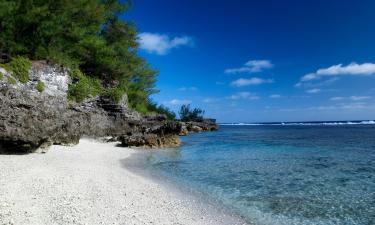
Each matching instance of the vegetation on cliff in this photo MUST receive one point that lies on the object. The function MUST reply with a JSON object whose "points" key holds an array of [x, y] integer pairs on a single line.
{"points": [[11, 80], [87, 36], [20, 67], [40, 86]]}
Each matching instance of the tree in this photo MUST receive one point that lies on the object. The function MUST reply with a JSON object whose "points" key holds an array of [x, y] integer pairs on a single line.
{"points": [[187, 114], [84, 35]]}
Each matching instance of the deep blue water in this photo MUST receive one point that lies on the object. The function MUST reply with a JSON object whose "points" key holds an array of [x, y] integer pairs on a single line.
{"points": [[280, 174]]}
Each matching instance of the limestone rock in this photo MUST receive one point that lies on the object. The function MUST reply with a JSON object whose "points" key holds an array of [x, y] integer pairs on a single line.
{"points": [[154, 134], [31, 121], [184, 131]]}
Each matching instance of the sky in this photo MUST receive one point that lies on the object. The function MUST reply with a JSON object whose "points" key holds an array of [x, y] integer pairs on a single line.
{"points": [[262, 61]]}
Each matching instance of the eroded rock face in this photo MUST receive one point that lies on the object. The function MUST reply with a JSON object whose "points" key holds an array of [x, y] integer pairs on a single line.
{"points": [[196, 127], [154, 133], [55, 78], [30, 120]]}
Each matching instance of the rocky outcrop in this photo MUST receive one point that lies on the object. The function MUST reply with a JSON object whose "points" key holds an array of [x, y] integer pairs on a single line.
{"points": [[196, 127], [31, 120], [153, 134]]}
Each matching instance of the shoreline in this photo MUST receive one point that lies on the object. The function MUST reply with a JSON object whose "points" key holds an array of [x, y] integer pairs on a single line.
{"points": [[136, 163], [88, 184]]}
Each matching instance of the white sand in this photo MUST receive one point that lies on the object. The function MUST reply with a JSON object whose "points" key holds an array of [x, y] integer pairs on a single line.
{"points": [[87, 184]]}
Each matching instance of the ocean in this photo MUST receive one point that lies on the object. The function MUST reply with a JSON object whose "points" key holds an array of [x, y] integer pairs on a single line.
{"points": [[280, 173]]}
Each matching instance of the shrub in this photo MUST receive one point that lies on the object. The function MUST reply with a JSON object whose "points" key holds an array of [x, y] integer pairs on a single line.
{"points": [[187, 114], [114, 93], [142, 108], [40, 86], [1, 76], [161, 109], [5, 66], [12, 81], [83, 86], [20, 66]]}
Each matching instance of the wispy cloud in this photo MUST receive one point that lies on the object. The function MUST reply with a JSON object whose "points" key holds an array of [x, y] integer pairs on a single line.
{"points": [[359, 98], [337, 98], [188, 89], [341, 106], [177, 102], [210, 100], [313, 91], [353, 98], [251, 81], [243, 95], [353, 69], [252, 66], [317, 84], [275, 96], [161, 44]]}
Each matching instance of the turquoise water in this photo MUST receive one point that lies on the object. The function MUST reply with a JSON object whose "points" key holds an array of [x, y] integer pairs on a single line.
{"points": [[313, 174]]}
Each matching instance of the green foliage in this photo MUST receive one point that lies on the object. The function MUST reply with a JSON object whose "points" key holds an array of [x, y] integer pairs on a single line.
{"points": [[114, 93], [1, 76], [5, 66], [88, 35], [142, 108], [20, 67], [161, 109], [12, 81], [187, 114], [83, 87], [40, 86]]}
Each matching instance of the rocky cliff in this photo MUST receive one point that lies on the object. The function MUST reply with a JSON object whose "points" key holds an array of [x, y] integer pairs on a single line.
{"points": [[31, 120]]}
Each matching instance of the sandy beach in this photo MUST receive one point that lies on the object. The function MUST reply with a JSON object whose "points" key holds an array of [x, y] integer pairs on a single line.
{"points": [[87, 184]]}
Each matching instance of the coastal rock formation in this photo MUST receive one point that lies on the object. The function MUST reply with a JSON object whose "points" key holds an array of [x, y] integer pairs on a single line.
{"points": [[154, 134], [198, 126], [31, 120]]}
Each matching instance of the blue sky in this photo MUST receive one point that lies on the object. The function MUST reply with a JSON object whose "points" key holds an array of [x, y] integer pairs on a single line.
{"points": [[254, 61]]}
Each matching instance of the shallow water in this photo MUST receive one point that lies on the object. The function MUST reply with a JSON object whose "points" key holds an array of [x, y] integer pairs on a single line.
{"points": [[280, 174]]}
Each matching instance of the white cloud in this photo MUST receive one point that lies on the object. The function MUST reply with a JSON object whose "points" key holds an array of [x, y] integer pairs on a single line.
{"points": [[188, 89], [210, 100], [251, 66], [353, 69], [275, 96], [243, 95], [178, 102], [313, 91], [337, 98], [317, 84], [353, 98], [359, 98], [341, 106], [251, 81], [161, 43], [299, 84]]}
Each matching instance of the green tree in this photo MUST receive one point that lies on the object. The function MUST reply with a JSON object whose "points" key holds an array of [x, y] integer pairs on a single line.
{"points": [[87, 35], [188, 114]]}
